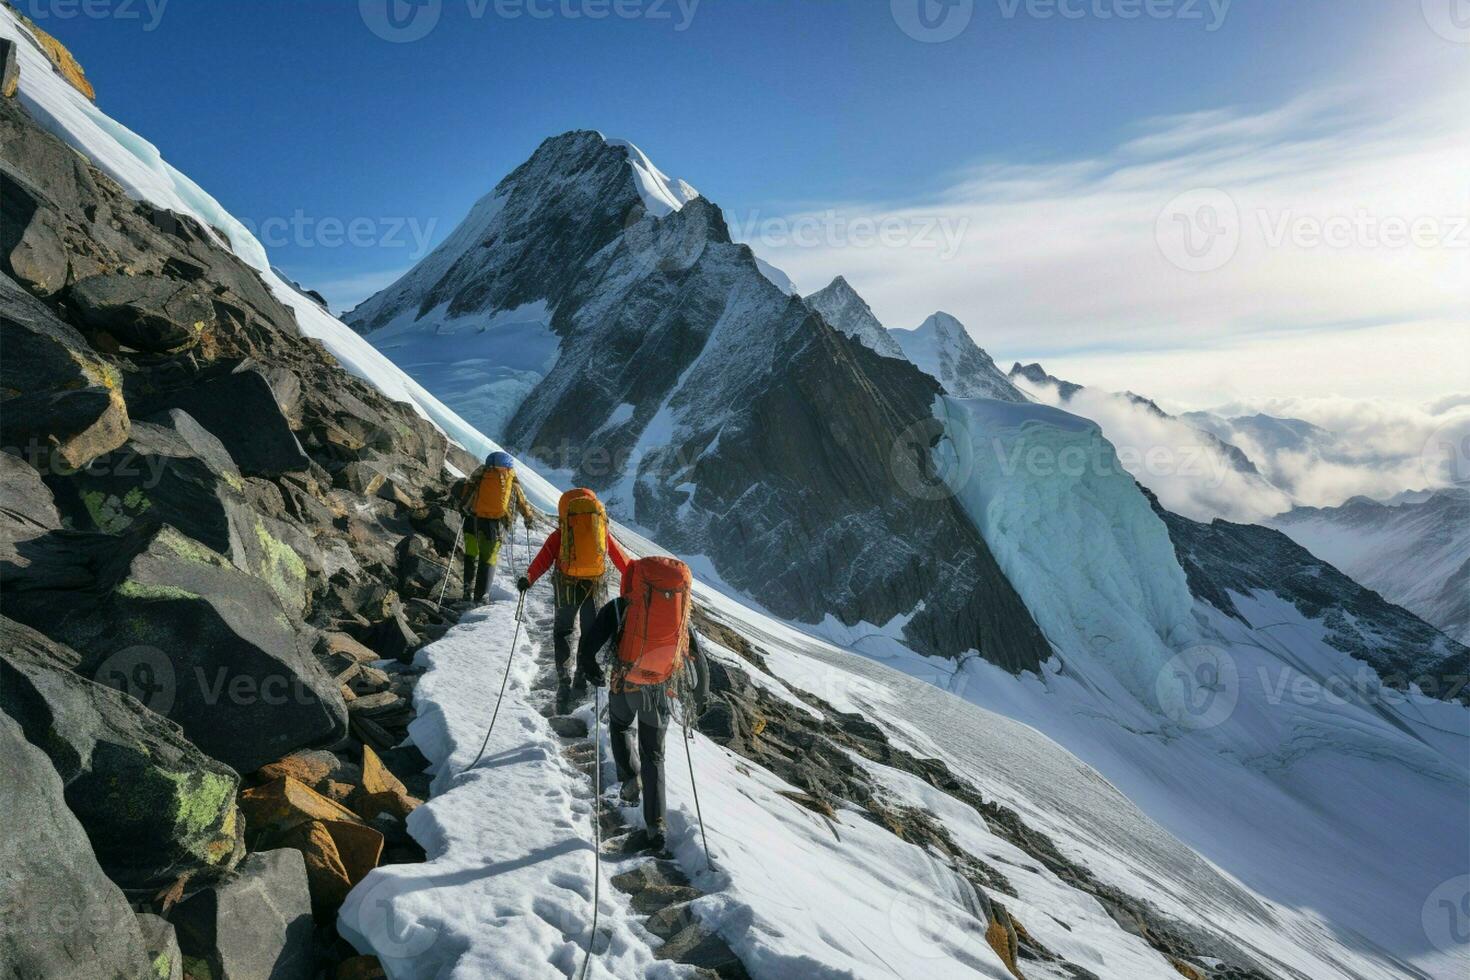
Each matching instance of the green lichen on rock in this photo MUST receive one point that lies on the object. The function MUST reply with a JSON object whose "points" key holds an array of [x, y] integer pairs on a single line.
{"points": [[189, 549], [162, 966], [111, 514], [282, 568], [144, 591], [200, 801], [106, 512]]}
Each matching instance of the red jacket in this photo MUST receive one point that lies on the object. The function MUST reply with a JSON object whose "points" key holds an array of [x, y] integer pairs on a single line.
{"points": [[550, 554]]}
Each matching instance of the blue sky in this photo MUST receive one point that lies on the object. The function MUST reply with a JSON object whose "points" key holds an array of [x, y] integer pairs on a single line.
{"points": [[294, 113]]}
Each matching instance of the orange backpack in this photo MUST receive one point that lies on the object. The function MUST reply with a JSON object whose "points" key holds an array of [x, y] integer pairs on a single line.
{"points": [[492, 496], [656, 630], [583, 534]]}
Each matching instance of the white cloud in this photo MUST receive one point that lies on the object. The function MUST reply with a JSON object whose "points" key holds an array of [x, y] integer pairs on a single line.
{"points": [[1186, 469], [1353, 223]]}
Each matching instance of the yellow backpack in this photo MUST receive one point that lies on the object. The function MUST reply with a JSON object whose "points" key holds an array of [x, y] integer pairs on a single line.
{"points": [[583, 534], [492, 496]]}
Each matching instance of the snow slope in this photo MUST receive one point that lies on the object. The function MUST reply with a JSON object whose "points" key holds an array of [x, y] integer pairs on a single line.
{"points": [[1415, 552], [1257, 743]]}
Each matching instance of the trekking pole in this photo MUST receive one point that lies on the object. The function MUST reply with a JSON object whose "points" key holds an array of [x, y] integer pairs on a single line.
{"points": [[596, 834], [499, 697], [689, 757], [450, 566]]}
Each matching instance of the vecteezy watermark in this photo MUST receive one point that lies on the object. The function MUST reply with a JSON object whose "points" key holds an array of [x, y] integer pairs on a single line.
{"points": [[404, 21], [1210, 13], [938, 233], [1446, 916], [1363, 229], [47, 460], [932, 21], [1450, 19], [1364, 686], [302, 230], [149, 12], [1445, 457], [937, 21], [1199, 231], [1198, 687]]}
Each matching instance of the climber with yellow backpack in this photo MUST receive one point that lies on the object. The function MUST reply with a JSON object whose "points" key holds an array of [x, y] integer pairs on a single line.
{"points": [[486, 498], [579, 549], [649, 625]]}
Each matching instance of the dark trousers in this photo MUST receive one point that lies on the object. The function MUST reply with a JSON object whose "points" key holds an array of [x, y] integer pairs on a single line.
{"points": [[576, 605], [481, 553], [648, 708]]}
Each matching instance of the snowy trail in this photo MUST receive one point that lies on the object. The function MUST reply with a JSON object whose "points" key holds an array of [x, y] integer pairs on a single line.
{"points": [[507, 890]]}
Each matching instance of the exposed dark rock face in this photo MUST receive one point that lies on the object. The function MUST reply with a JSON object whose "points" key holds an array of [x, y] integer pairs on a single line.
{"points": [[202, 515], [717, 412], [153, 805], [226, 663], [1220, 558], [59, 914]]}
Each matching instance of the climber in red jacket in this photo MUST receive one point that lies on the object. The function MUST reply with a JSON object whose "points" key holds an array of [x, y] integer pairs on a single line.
{"points": [[579, 548]]}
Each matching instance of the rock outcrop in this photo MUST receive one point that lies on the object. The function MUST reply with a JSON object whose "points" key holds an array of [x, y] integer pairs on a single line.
{"points": [[60, 916], [153, 805]]}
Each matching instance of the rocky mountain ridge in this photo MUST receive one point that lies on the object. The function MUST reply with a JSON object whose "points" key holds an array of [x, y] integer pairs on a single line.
{"points": [[715, 411]]}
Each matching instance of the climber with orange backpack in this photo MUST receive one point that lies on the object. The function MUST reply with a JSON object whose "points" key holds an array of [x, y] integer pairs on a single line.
{"points": [[649, 625], [579, 549], [486, 498]]}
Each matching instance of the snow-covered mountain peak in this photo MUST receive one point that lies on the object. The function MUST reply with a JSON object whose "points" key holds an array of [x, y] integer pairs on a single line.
{"points": [[661, 194], [842, 307], [944, 349]]}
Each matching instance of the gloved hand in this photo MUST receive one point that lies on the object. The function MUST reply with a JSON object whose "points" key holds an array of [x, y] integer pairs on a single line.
{"points": [[701, 705], [523, 583], [527, 521], [594, 675]]}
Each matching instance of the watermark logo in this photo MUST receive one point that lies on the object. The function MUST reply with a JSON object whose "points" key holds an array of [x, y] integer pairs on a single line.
{"points": [[400, 21], [144, 672], [932, 21], [1446, 916], [1199, 231], [919, 471], [1210, 13], [392, 934], [1198, 687], [1450, 19], [1446, 454]]}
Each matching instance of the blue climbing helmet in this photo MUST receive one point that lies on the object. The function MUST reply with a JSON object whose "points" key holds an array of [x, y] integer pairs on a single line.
{"points": [[501, 459]]}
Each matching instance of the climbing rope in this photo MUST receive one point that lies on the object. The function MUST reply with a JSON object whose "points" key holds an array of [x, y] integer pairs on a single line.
{"points": [[449, 565], [596, 834], [520, 606]]}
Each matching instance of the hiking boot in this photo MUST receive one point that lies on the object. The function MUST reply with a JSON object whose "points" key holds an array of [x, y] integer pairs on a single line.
{"points": [[656, 842], [630, 791]]}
